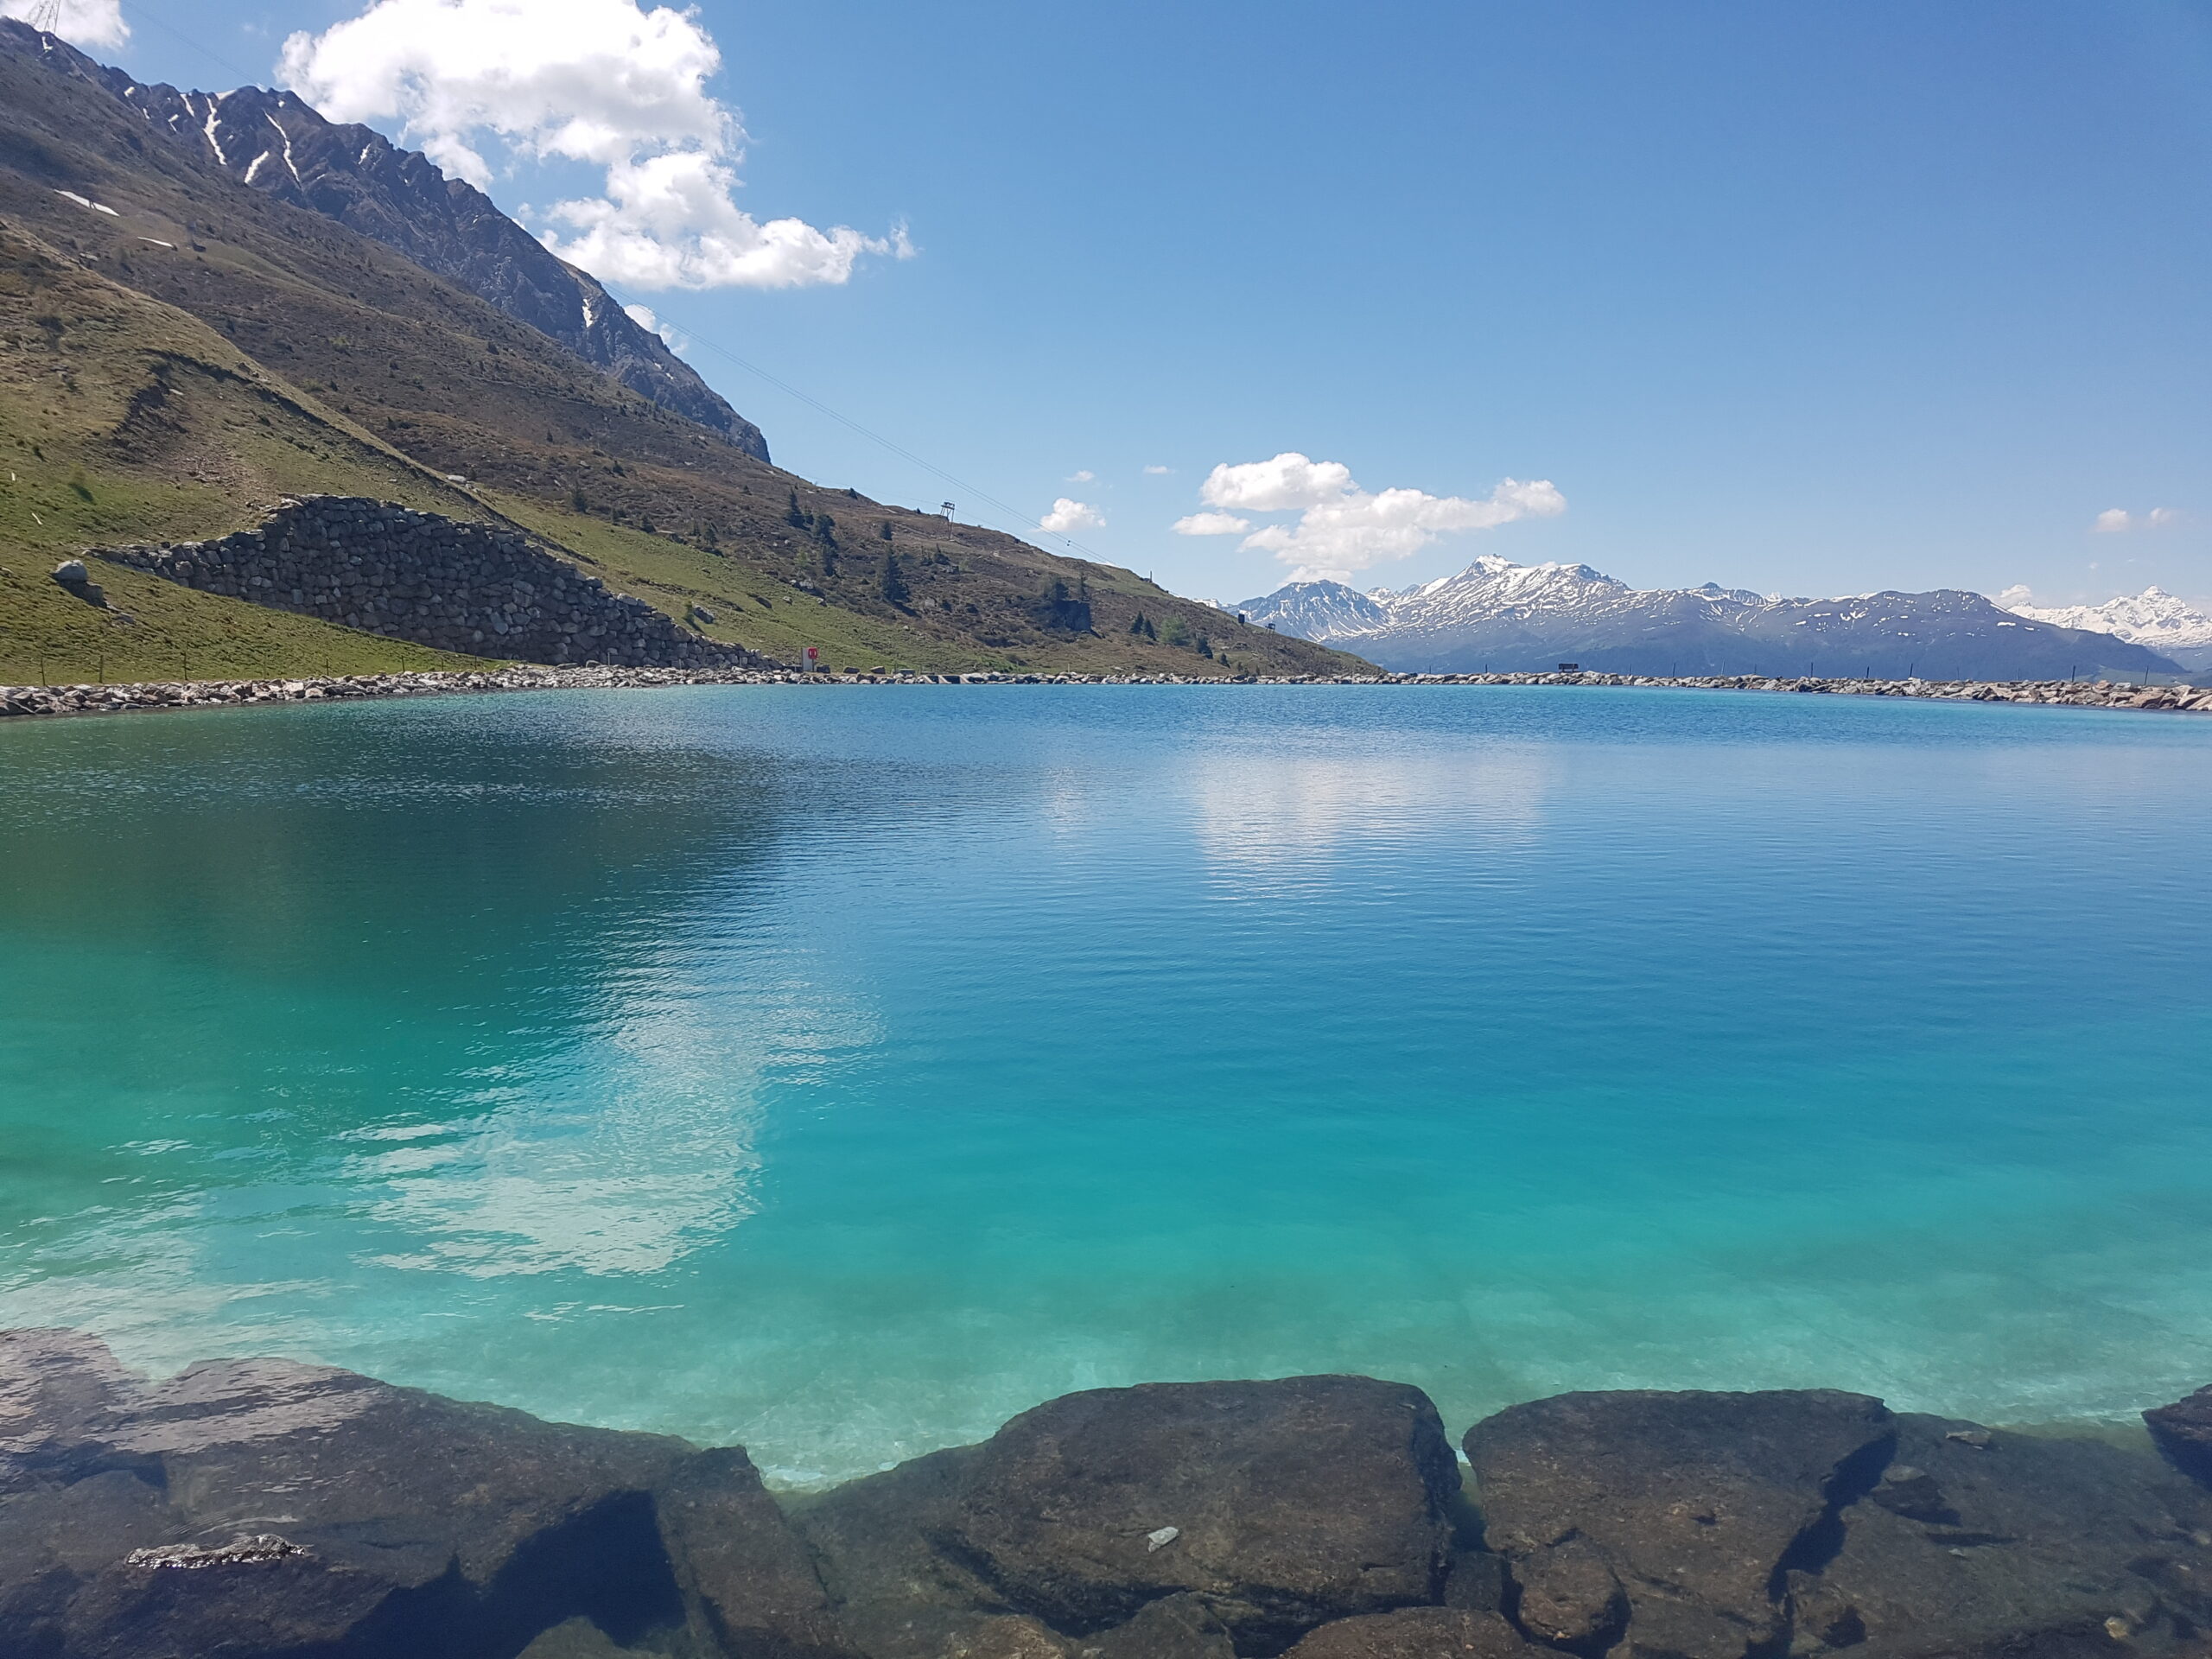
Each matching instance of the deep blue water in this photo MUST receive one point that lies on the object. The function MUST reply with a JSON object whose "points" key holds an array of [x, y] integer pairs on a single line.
{"points": [[843, 1071]]}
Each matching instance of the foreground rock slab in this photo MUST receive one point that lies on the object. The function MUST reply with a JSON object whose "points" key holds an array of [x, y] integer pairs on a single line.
{"points": [[1668, 1514], [258, 1507], [1279, 1506], [265, 1509]]}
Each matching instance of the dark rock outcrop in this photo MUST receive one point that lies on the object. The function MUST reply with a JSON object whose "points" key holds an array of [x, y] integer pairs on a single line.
{"points": [[72, 577], [1281, 1504], [482, 589], [1670, 1517], [2184, 1432], [256, 1507]]}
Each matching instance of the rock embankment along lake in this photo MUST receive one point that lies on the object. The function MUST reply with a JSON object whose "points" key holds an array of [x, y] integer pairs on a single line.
{"points": [[260, 1508], [209, 694]]}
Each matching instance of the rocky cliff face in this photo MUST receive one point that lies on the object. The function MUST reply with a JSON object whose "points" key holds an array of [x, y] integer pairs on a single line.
{"points": [[276, 143]]}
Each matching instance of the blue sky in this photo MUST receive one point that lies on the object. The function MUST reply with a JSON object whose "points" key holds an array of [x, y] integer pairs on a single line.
{"points": [[1814, 297]]}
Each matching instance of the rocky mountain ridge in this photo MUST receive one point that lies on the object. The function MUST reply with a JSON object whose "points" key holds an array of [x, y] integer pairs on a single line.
{"points": [[1499, 615], [275, 143]]}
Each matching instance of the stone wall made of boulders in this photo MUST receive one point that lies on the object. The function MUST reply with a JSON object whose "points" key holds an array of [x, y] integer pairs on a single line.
{"points": [[485, 590]]}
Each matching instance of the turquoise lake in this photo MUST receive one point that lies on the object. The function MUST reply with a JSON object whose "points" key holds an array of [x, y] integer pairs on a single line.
{"points": [[842, 1071]]}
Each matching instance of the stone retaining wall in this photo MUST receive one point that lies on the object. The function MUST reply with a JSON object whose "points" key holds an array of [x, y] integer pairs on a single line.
{"points": [[478, 588]]}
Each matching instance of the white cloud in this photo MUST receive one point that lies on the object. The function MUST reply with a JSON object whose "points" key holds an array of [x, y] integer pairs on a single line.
{"points": [[1341, 528], [1069, 515], [604, 82], [1083, 476], [1158, 472], [82, 23], [1289, 480], [1211, 523], [2112, 520]]}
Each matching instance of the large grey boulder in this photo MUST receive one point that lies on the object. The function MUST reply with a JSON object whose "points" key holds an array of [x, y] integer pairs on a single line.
{"points": [[1668, 1519], [258, 1507], [1281, 1505]]}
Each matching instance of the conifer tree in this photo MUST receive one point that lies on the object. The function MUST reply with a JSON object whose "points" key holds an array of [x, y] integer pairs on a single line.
{"points": [[892, 583]]}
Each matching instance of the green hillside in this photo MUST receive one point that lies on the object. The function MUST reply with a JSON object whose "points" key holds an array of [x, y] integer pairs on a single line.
{"points": [[170, 366]]}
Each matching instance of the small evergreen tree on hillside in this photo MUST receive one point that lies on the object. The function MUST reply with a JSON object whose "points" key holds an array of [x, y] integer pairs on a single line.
{"points": [[883, 530], [793, 517], [892, 582]]}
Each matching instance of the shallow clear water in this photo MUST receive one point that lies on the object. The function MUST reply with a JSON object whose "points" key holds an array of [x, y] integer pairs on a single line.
{"points": [[842, 1071]]}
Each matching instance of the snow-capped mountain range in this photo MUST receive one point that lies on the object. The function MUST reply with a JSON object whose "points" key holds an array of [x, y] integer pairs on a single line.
{"points": [[1510, 617], [2173, 628]]}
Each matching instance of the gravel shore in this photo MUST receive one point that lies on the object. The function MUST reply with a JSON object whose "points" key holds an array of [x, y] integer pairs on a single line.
{"points": [[30, 700]]}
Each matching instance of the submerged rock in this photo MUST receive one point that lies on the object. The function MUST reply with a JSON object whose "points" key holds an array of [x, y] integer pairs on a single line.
{"points": [[1712, 1526], [1419, 1633], [2184, 1432], [1977, 1543], [258, 1507], [1293, 1502]]}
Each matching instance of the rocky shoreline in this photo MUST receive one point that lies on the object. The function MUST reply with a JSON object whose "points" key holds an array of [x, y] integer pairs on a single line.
{"points": [[33, 700], [265, 1509]]}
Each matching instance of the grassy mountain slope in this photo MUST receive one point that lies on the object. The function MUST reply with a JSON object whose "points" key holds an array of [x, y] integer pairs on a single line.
{"points": [[391, 378], [124, 420]]}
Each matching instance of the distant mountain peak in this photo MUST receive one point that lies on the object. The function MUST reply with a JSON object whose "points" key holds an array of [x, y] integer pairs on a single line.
{"points": [[2154, 618], [1500, 614]]}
